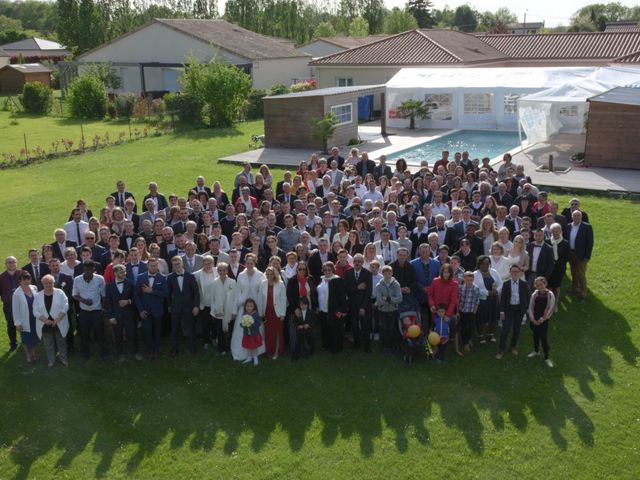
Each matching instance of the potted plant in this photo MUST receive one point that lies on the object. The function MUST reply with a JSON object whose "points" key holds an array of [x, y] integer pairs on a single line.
{"points": [[412, 109], [323, 129]]}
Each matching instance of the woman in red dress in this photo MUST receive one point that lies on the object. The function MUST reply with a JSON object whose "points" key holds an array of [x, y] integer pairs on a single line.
{"points": [[273, 301]]}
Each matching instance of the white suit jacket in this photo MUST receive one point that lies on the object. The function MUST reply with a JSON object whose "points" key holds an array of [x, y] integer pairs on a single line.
{"points": [[21, 308], [224, 300], [279, 298], [59, 304]]}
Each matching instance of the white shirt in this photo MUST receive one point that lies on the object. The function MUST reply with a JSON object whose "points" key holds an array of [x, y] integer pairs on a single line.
{"points": [[572, 235], [180, 277], [72, 231], [443, 209], [373, 196], [536, 255], [151, 280], [323, 295], [515, 293]]}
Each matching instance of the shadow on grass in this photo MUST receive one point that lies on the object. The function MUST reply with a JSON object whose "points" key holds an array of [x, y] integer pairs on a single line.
{"points": [[138, 410]]}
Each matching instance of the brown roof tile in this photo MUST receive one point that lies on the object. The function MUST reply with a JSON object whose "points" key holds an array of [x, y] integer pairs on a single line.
{"points": [[569, 46], [631, 58], [417, 47], [234, 39], [28, 68]]}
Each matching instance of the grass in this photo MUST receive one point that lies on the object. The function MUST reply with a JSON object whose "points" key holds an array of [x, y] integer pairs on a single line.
{"points": [[341, 416]]}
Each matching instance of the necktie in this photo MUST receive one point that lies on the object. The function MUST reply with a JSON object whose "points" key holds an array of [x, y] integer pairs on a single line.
{"points": [[357, 276], [78, 232], [191, 264], [121, 200], [36, 270], [425, 270]]}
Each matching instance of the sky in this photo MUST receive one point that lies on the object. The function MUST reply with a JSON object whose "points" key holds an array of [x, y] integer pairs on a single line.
{"points": [[553, 12]]}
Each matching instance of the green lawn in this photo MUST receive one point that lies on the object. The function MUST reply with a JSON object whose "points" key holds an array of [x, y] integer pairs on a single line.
{"points": [[334, 417]]}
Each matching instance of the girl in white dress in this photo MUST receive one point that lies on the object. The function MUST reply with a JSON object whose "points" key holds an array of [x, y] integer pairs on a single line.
{"points": [[248, 286]]}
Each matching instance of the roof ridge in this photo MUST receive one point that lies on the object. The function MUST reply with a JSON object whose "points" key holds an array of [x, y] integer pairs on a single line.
{"points": [[610, 32], [366, 45], [439, 45]]}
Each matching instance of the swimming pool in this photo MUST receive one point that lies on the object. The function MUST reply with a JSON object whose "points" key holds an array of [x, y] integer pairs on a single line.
{"points": [[478, 143]]}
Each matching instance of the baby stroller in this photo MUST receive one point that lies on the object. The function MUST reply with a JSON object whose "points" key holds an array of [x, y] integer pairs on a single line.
{"points": [[408, 317]]}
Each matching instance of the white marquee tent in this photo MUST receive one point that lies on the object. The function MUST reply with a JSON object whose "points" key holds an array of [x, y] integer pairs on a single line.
{"points": [[486, 98], [564, 108]]}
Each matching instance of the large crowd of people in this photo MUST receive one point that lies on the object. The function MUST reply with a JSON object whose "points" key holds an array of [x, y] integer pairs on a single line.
{"points": [[343, 250]]}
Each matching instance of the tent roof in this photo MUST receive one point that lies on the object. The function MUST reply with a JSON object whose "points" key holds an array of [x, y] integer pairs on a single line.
{"points": [[533, 78], [621, 95]]}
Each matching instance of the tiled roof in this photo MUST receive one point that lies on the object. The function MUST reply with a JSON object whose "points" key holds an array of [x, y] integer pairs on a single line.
{"points": [[33, 43], [28, 68], [3, 53], [351, 42], [622, 26], [233, 38], [417, 47], [631, 58], [566, 46]]}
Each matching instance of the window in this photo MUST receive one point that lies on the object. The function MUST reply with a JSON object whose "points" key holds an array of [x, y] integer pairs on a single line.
{"points": [[477, 103], [511, 103], [342, 113], [344, 82], [569, 111], [439, 105]]}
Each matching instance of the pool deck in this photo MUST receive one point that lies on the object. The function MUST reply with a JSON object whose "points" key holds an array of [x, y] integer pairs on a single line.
{"points": [[562, 146]]}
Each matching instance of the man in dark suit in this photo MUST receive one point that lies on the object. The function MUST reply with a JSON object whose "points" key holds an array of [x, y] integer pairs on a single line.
{"points": [[579, 234], [409, 218], [128, 237], [235, 267], [359, 284], [502, 220], [502, 196], [150, 292], [280, 184], [121, 195], [86, 256], [184, 303], [446, 235], [61, 244], [365, 166], [65, 283], [36, 268], [97, 251], [335, 155], [541, 259], [318, 258], [158, 198], [286, 196], [9, 282], [200, 186], [514, 302], [382, 169], [121, 313]]}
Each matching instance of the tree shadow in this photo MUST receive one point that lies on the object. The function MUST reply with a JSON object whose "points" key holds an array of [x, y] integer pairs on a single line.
{"points": [[210, 403]]}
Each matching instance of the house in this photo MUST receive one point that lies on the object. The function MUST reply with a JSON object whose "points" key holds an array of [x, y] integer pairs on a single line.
{"points": [[613, 129], [151, 58], [323, 46], [376, 62], [525, 28], [14, 76], [35, 49], [622, 26], [380, 60], [4, 58]]}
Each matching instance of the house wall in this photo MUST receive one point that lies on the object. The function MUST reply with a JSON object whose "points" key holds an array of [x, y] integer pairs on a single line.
{"points": [[344, 132], [613, 135], [268, 72], [12, 81], [4, 61], [320, 48], [287, 121], [327, 76]]}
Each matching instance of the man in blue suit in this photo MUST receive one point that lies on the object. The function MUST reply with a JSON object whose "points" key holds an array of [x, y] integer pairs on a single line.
{"points": [[150, 292], [120, 311], [184, 303], [426, 268], [134, 266]]}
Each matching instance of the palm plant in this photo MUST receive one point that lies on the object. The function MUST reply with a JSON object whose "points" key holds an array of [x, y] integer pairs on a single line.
{"points": [[413, 109]]}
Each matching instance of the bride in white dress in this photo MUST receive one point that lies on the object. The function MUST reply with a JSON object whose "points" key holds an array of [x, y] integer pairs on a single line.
{"points": [[248, 285]]}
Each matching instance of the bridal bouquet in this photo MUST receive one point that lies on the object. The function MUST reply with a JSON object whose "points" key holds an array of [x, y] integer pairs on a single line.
{"points": [[246, 321]]}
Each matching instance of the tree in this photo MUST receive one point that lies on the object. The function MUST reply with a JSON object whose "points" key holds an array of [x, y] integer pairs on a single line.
{"points": [[465, 18], [221, 89], [7, 23], [444, 18], [373, 12], [358, 27], [36, 98], [87, 97], [413, 109], [322, 129], [421, 11], [324, 29], [594, 16], [106, 73], [399, 21], [496, 22]]}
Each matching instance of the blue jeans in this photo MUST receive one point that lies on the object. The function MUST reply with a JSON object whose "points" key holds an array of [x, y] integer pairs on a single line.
{"points": [[512, 318]]}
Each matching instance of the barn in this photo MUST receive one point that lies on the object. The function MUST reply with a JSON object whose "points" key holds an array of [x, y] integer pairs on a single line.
{"points": [[613, 129], [13, 77]]}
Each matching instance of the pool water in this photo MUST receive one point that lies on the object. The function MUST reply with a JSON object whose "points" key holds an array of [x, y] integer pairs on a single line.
{"points": [[479, 144]]}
